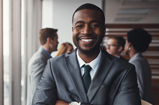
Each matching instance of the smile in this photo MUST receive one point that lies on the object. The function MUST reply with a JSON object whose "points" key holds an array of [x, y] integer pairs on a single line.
{"points": [[86, 40]]}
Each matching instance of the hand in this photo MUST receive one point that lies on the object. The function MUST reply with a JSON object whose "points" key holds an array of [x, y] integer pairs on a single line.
{"points": [[60, 102]]}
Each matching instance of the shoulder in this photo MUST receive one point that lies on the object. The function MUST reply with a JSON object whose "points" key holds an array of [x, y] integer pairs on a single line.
{"points": [[122, 64], [39, 58], [138, 61], [36, 58], [124, 59], [117, 62], [61, 58]]}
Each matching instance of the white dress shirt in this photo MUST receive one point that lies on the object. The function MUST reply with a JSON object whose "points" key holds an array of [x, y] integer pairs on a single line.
{"points": [[93, 64]]}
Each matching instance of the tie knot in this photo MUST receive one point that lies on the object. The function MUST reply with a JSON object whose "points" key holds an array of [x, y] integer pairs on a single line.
{"points": [[87, 68]]}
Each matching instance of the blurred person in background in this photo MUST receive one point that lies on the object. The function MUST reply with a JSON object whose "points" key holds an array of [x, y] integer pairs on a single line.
{"points": [[49, 41], [65, 48], [138, 41], [115, 46]]}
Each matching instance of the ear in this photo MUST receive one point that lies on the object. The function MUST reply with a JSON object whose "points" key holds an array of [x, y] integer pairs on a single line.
{"points": [[129, 44], [120, 49], [49, 40]]}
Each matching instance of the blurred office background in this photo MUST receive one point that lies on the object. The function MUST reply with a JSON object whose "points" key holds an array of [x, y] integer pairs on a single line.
{"points": [[21, 20]]}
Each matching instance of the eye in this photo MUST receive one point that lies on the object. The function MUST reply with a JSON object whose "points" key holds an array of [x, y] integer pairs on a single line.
{"points": [[80, 26], [94, 25]]}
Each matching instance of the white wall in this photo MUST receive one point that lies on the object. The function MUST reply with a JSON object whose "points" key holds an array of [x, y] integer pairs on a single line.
{"points": [[62, 16], [47, 13]]}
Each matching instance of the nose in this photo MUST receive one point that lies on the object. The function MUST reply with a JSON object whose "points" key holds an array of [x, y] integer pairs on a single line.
{"points": [[87, 30]]}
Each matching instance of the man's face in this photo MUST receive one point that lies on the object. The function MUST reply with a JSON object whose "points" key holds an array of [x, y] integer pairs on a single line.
{"points": [[112, 47], [88, 30], [54, 43]]}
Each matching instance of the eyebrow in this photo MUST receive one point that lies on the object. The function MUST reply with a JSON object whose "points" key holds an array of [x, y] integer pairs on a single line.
{"points": [[79, 22], [90, 22]]}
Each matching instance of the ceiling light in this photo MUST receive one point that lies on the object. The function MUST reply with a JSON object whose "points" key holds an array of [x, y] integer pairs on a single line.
{"points": [[134, 19], [141, 3], [140, 11]]}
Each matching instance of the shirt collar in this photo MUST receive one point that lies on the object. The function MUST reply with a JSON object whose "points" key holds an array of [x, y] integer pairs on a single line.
{"points": [[46, 52], [93, 64], [119, 56]]}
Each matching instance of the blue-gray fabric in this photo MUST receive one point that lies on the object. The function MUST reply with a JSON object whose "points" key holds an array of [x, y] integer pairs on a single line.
{"points": [[36, 67], [143, 72]]}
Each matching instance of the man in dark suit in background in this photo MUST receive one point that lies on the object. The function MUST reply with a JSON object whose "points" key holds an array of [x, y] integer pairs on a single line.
{"points": [[88, 75], [115, 46]]}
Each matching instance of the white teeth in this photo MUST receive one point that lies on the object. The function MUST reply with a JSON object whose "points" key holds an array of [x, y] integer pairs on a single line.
{"points": [[87, 40]]}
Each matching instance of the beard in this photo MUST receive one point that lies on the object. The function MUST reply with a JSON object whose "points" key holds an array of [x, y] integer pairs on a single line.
{"points": [[90, 51]]}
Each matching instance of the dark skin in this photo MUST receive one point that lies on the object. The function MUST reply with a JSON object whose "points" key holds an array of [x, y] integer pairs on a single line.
{"points": [[88, 32], [129, 49]]}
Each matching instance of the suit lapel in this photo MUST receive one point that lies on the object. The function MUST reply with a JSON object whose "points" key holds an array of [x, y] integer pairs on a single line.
{"points": [[74, 70], [100, 75]]}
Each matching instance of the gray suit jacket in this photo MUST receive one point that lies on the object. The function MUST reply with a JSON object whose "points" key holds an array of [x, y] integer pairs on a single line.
{"points": [[36, 67], [113, 84], [143, 76]]}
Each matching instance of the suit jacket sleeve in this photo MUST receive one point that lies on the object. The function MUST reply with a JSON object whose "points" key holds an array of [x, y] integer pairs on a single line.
{"points": [[128, 93], [46, 89], [140, 78], [37, 68]]}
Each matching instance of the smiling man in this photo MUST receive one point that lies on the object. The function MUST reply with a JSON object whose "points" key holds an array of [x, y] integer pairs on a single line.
{"points": [[88, 75]]}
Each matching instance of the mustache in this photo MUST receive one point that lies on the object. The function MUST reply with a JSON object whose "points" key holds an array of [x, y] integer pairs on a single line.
{"points": [[86, 36]]}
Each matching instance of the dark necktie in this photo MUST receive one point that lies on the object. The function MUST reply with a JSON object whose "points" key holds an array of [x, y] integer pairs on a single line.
{"points": [[87, 77]]}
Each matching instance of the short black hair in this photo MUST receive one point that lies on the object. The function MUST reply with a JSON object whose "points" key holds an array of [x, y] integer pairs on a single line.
{"points": [[92, 7], [120, 41], [139, 38]]}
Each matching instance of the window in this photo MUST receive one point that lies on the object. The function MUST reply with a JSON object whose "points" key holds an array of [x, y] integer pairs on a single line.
{"points": [[6, 51]]}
